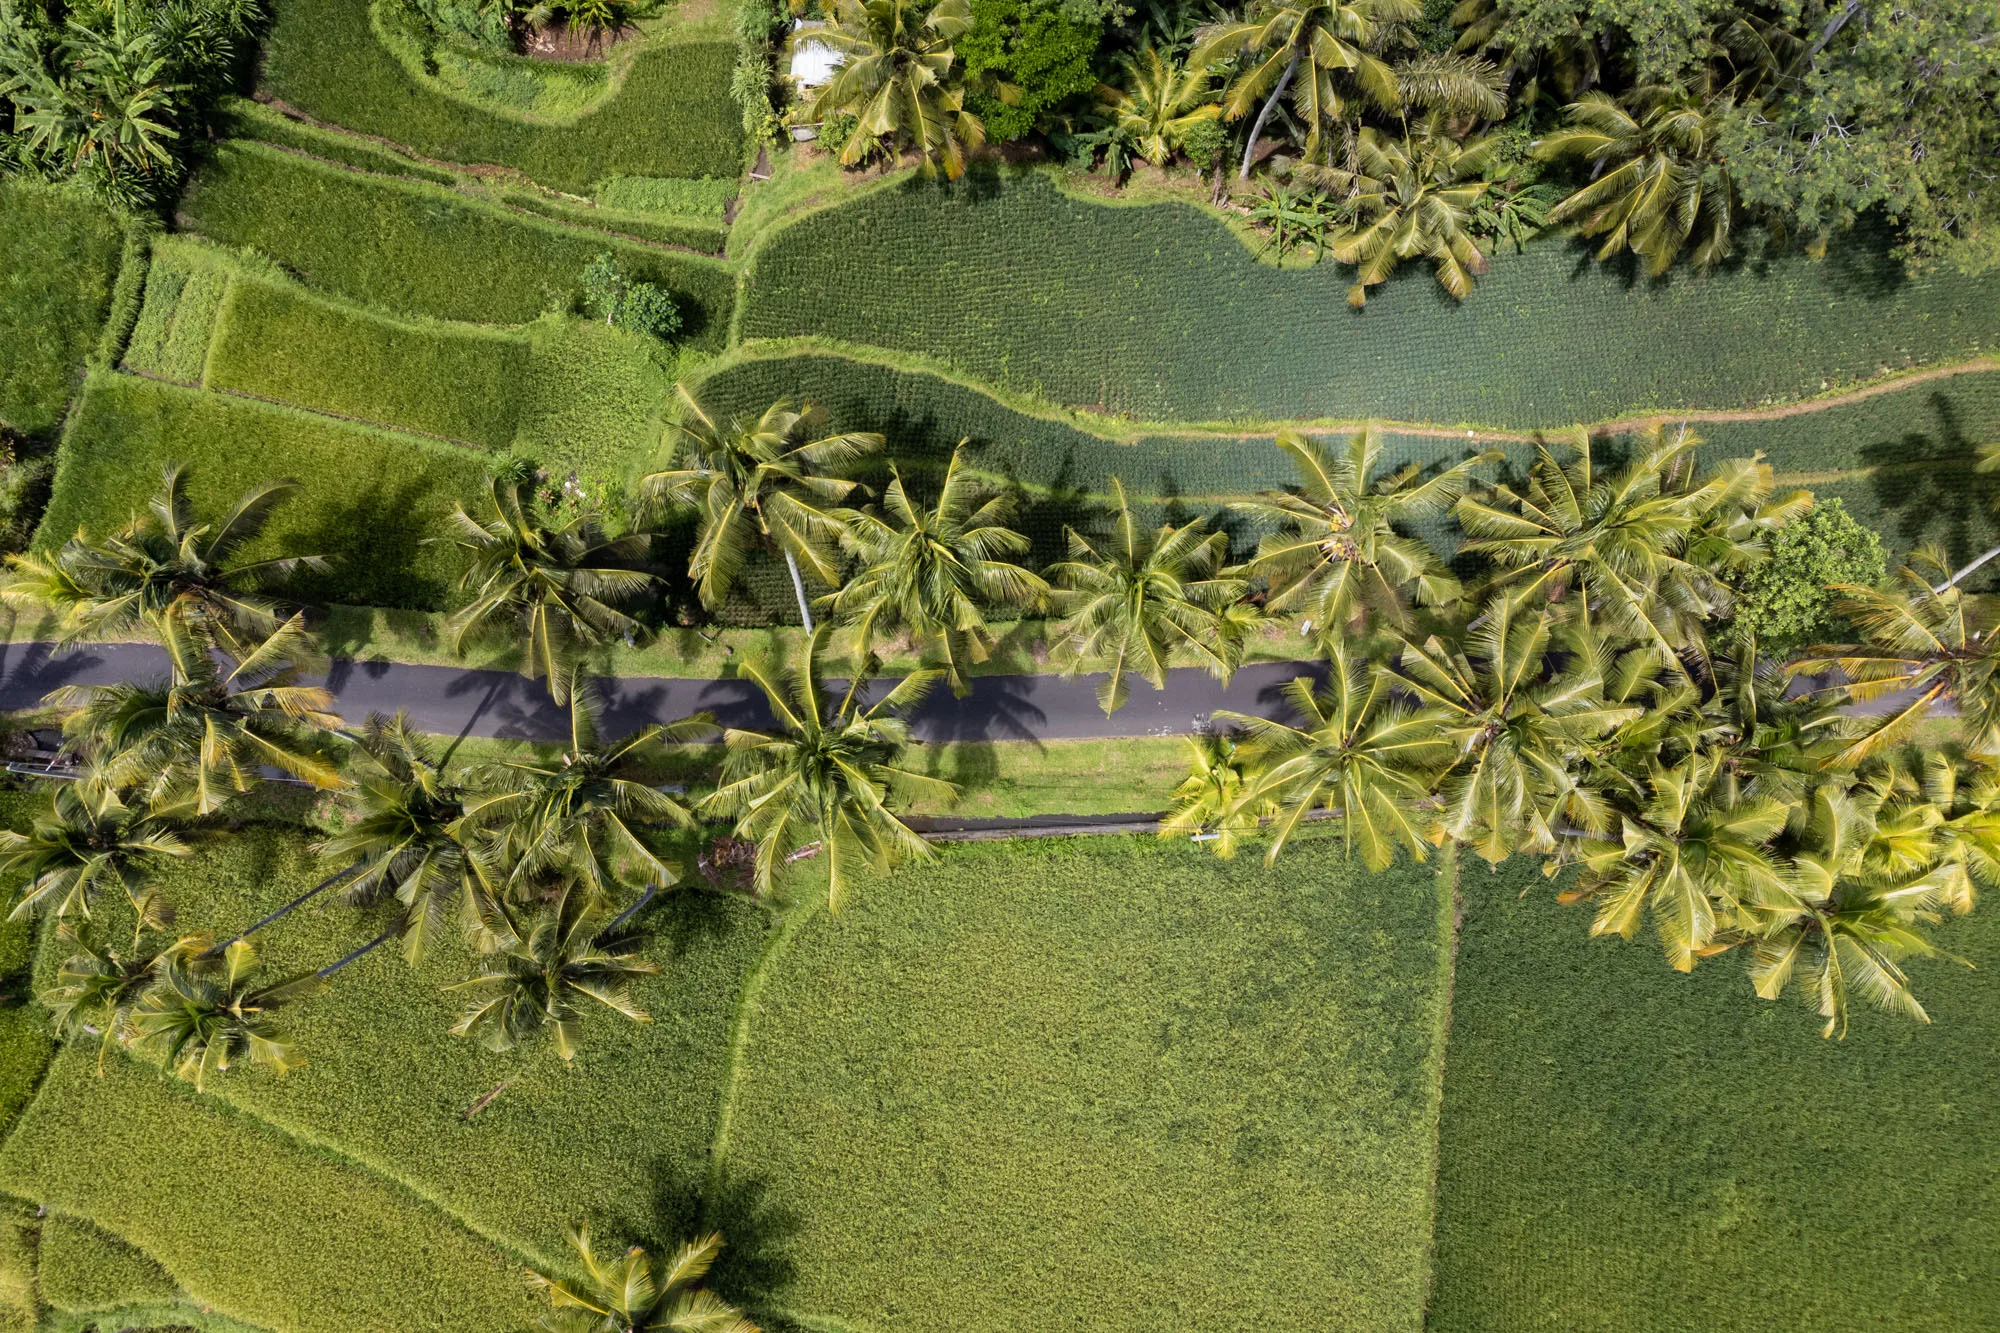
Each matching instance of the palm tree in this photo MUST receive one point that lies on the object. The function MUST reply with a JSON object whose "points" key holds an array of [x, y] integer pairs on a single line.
{"points": [[97, 986], [1928, 645], [1158, 104], [205, 1013], [1217, 802], [1339, 38], [557, 586], [87, 840], [1412, 197], [1136, 601], [895, 79], [537, 981], [164, 566], [1658, 177], [1360, 755], [626, 1296], [188, 743], [929, 570], [825, 775], [1338, 553], [580, 816], [766, 483]]}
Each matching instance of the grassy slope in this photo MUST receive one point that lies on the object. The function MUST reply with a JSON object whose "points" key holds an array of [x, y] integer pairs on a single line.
{"points": [[1161, 312], [1626, 1149], [323, 57], [1114, 1084], [58, 257]]}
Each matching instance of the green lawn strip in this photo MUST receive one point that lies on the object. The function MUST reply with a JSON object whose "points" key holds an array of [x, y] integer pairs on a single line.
{"points": [[367, 499], [1093, 1071], [259, 1227], [1159, 311], [1626, 1148], [82, 1269], [325, 58], [59, 256], [420, 249]]}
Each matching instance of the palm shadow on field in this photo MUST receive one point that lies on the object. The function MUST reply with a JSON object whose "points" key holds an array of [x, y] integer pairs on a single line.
{"points": [[371, 547], [756, 1268], [1927, 488]]}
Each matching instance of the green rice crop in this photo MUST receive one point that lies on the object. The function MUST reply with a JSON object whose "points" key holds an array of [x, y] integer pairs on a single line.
{"points": [[1631, 1150], [19, 1305], [367, 498], [417, 249], [81, 1269], [59, 254], [592, 400], [262, 1228], [1160, 311], [688, 233], [325, 58], [1941, 419], [150, 1317], [184, 291], [708, 199], [1948, 504], [1118, 1082], [241, 118]]}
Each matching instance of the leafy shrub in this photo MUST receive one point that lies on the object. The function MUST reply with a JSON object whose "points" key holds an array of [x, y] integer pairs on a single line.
{"points": [[836, 130], [638, 307], [83, 1269], [1038, 48], [1784, 600], [59, 251], [480, 23]]}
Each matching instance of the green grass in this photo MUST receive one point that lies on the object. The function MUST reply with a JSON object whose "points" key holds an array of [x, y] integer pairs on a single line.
{"points": [[1625, 1148], [184, 291], [367, 498], [59, 256], [261, 1228], [1159, 311], [417, 249], [323, 57], [688, 233], [82, 1269], [707, 199], [241, 118], [537, 90], [151, 1317], [1101, 1085], [593, 400]]}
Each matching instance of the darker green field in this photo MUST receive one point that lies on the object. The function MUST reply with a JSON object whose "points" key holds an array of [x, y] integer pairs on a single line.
{"points": [[323, 57], [1631, 1150], [1159, 311], [58, 259], [1940, 420]]}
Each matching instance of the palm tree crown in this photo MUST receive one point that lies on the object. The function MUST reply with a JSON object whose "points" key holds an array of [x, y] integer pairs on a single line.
{"points": [[87, 840], [628, 1295], [1413, 197], [895, 79], [205, 1013], [1158, 104]]}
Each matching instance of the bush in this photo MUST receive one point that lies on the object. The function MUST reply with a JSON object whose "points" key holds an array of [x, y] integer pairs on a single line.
{"points": [[1785, 601], [1038, 48], [59, 252], [83, 1269], [637, 307]]}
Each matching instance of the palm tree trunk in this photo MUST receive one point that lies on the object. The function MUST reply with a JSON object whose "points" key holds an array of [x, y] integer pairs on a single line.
{"points": [[1953, 580], [799, 590], [1270, 104]]}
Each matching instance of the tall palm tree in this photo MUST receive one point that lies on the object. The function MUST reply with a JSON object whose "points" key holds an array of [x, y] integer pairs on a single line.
{"points": [[1413, 197], [1339, 552], [1360, 754], [929, 571], [825, 775], [537, 982], [87, 840], [769, 483], [557, 585], [1658, 177], [1338, 40], [895, 78], [626, 1295], [189, 743], [1136, 601], [96, 988], [1217, 802], [1158, 104], [204, 1013], [164, 566], [581, 815]]}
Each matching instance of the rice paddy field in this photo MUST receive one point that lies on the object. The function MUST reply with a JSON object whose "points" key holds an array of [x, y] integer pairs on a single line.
{"points": [[59, 256]]}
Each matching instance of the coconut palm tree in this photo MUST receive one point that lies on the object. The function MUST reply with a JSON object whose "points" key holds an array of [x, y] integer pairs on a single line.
{"points": [[96, 989], [1359, 754], [88, 840], [1412, 196], [1339, 42], [1658, 180], [1565, 62], [825, 775], [165, 566], [558, 586], [895, 77], [187, 744], [929, 571], [580, 816], [204, 1013], [626, 1295], [1158, 104], [539, 980], [770, 484], [1136, 601], [1339, 552], [1217, 802]]}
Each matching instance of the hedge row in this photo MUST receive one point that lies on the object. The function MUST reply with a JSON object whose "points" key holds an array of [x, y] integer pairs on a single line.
{"points": [[59, 255], [1628, 1150], [419, 249], [1160, 311], [671, 115], [1153, 1089]]}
